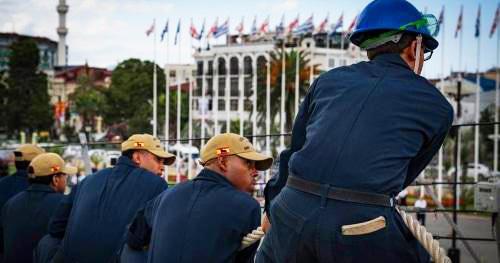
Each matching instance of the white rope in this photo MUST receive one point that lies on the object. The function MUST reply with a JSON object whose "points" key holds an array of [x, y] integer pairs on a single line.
{"points": [[425, 238], [252, 237]]}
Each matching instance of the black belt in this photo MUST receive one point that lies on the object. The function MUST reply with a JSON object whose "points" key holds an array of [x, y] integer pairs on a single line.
{"points": [[337, 193]]}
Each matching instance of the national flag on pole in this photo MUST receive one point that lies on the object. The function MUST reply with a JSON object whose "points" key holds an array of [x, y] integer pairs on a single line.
{"points": [[213, 29], [265, 26], [478, 22], [223, 29], [322, 26], [165, 31], [338, 25], [194, 33], [240, 27], [177, 32], [441, 17], [292, 25], [151, 29], [253, 30], [280, 28], [202, 30], [495, 21], [459, 22], [351, 26], [306, 27]]}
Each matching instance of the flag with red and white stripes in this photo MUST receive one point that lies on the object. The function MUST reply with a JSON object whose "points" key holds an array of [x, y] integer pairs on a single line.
{"points": [[151, 29], [495, 21]]}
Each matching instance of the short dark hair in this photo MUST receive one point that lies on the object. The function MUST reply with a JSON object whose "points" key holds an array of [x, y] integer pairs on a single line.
{"points": [[21, 165], [47, 180], [390, 47], [128, 153]]}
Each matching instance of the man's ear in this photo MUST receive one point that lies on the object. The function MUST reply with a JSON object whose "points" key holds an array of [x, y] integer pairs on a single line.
{"points": [[136, 157], [222, 163], [412, 52]]}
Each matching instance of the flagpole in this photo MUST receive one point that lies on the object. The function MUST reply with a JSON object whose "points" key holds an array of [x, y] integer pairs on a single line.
{"points": [[154, 79], [311, 73], [297, 69], [190, 110], [268, 110], [495, 153], [167, 97], [459, 133], [254, 99], [478, 87], [282, 113], [215, 102], [440, 153], [203, 103], [178, 76], [241, 90], [228, 97], [190, 128]]}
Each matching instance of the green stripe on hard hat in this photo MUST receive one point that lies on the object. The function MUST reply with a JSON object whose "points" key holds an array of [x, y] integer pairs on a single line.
{"points": [[428, 21]]}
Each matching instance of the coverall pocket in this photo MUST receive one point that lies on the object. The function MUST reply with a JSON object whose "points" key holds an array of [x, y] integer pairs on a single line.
{"points": [[364, 228], [286, 231]]}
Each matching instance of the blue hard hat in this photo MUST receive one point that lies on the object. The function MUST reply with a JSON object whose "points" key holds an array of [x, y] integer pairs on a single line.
{"points": [[397, 16]]}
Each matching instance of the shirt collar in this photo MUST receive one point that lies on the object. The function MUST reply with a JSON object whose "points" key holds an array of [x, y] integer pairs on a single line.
{"points": [[207, 174], [40, 188], [392, 58]]}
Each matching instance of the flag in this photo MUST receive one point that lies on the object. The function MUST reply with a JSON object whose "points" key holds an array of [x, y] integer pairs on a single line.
{"points": [[177, 32], [441, 17], [265, 26], [459, 22], [213, 29], [253, 31], [194, 33], [339, 24], [151, 29], [223, 29], [322, 26], [351, 26], [478, 22], [495, 21], [306, 27], [165, 31], [202, 30], [240, 27], [280, 28], [292, 25]]}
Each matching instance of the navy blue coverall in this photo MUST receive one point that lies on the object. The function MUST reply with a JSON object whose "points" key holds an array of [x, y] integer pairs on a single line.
{"points": [[12, 185], [102, 207], [203, 220], [372, 127], [25, 218]]}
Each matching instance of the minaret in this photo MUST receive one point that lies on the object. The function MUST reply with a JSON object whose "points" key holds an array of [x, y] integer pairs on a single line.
{"points": [[62, 31]]}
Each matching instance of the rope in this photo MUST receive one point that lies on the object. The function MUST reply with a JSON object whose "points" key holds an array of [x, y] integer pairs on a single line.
{"points": [[425, 238], [252, 237]]}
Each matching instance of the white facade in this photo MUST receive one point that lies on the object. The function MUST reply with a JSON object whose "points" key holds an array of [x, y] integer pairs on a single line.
{"points": [[226, 71]]}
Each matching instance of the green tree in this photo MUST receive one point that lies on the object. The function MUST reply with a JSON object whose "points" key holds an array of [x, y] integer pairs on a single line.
{"points": [[88, 100], [28, 104], [129, 99]]}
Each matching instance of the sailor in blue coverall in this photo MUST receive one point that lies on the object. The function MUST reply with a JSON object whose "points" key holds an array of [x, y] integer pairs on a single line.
{"points": [[94, 221], [363, 133], [25, 216], [18, 181], [205, 220]]}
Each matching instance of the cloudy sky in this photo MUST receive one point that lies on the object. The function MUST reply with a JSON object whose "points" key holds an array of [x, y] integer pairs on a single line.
{"points": [[105, 32]]}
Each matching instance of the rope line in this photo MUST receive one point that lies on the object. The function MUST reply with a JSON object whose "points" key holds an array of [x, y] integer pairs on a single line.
{"points": [[425, 238], [252, 237]]}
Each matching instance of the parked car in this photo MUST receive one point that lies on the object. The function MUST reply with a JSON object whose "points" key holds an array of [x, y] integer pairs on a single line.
{"points": [[482, 170]]}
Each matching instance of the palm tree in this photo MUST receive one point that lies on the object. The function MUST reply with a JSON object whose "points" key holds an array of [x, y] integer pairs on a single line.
{"points": [[275, 86]]}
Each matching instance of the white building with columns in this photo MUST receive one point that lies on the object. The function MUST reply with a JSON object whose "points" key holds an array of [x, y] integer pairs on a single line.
{"points": [[224, 72]]}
